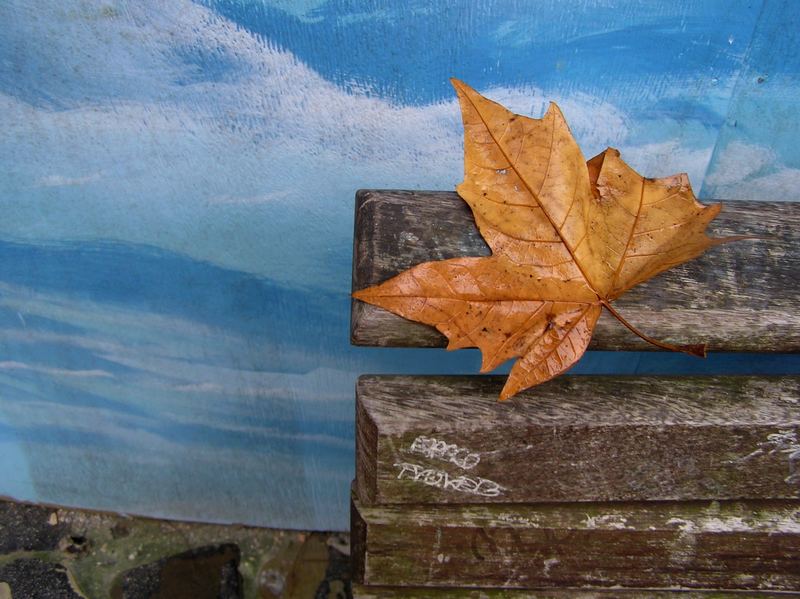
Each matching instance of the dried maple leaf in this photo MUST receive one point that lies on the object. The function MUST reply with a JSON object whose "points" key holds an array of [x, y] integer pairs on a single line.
{"points": [[567, 238]]}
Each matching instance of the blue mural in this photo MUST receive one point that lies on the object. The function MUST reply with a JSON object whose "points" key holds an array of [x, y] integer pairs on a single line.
{"points": [[177, 184]]}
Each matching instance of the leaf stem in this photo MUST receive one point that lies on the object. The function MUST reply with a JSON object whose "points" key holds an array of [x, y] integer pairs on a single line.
{"points": [[693, 350]]}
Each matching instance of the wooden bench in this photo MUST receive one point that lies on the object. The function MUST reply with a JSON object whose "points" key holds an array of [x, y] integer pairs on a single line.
{"points": [[586, 485]]}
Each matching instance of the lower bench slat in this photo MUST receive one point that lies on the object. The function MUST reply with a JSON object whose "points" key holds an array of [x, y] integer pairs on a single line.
{"points": [[751, 545], [372, 592]]}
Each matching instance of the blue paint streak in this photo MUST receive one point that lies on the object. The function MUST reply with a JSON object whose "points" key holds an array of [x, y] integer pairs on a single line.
{"points": [[157, 281]]}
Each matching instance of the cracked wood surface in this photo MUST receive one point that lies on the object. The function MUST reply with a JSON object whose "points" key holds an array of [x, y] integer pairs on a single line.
{"points": [[696, 545]]}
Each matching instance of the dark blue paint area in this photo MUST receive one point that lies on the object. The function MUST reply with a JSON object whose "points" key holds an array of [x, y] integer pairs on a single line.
{"points": [[681, 109], [52, 437], [407, 361], [668, 363], [161, 282], [202, 438], [7, 433], [408, 51], [63, 396], [257, 442], [13, 319]]}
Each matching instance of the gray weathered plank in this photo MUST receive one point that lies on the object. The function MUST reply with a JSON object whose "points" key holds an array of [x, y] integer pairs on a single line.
{"points": [[428, 439], [373, 592], [740, 296], [712, 545]]}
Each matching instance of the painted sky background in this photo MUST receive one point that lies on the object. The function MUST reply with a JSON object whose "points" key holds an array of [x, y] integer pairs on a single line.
{"points": [[176, 186]]}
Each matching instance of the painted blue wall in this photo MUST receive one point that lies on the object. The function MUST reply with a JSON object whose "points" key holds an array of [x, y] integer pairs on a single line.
{"points": [[176, 184]]}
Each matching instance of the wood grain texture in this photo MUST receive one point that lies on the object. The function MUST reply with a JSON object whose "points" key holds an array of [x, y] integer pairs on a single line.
{"points": [[707, 545], [374, 592], [580, 438], [737, 297]]}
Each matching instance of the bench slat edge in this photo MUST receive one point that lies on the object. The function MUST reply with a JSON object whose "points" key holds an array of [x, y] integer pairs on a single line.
{"points": [[749, 545]]}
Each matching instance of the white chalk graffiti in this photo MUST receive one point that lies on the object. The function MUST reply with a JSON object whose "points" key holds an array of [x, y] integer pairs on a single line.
{"points": [[784, 442], [441, 450], [442, 480]]}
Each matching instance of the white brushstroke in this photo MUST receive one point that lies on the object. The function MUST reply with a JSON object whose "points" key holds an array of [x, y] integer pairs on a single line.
{"points": [[62, 181], [55, 372], [752, 172], [668, 158]]}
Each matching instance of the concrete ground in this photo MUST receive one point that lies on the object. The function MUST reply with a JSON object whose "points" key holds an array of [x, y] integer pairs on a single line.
{"points": [[59, 553]]}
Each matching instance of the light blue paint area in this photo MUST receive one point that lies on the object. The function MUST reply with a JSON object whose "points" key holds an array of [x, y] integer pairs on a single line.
{"points": [[756, 155], [177, 198], [15, 480]]}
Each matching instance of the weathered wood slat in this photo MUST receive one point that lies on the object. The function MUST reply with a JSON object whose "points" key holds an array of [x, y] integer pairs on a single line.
{"points": [[716, 545], [373, 592], [737, 297], [429, 439]]}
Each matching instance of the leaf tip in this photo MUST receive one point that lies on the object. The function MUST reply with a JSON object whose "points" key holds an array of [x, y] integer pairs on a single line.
{"points": [[509, 390], [554, 109], [486, 365], [460, 86], [360, 294]]}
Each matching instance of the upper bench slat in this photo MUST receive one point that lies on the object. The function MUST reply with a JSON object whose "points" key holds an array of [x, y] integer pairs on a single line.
{"points": [[740, 296]]}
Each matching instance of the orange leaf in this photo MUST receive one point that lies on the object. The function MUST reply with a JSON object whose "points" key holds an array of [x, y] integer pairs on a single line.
{"points": [[567, 237]]}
